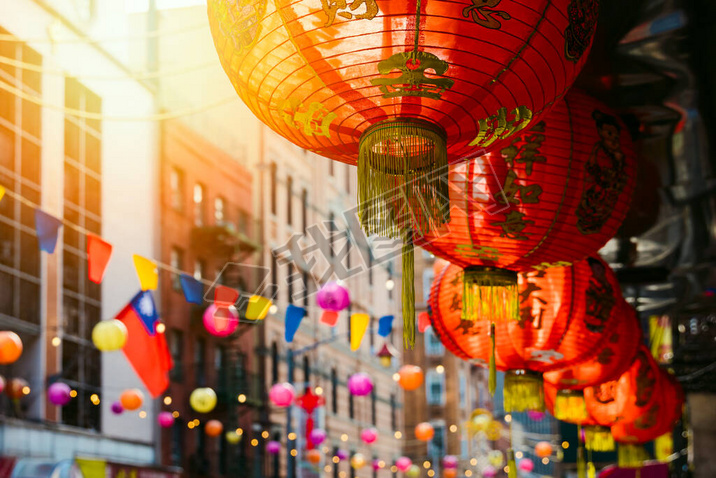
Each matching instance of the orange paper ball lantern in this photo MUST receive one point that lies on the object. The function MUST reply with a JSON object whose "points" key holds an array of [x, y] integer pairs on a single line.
{"points": [[401, 87], [213, 428], [449, 473], [313, 456], [17, 388], [424, 431], [131, 399], [411, 377], [543, 449], [10, 347]]}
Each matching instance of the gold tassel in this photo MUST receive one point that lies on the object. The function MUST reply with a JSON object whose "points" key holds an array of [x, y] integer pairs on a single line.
{"points": [[408, 281], [569, 406], [598, 438], [523, 391], [490, 294], [403, 189], [492, 380], [581, 464], [511, 464], [631, 456], [591, 470]]}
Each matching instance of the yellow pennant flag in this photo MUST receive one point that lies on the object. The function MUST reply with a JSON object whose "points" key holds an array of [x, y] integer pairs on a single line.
{"points": [[359, 324], [258, 307], [147, 272], [2, 192]]}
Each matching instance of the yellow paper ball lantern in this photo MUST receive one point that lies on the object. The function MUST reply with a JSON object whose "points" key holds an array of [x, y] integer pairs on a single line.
{"points": [[232, 438], [413, 472], [131, 399], [203, 400], [495, 458], [10, 347], [358, 461], [109, 335]]}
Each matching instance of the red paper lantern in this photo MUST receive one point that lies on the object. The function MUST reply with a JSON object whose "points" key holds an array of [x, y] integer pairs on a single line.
{"points": [[615, 356], [565, 314], [401, 87], [552, 197]]}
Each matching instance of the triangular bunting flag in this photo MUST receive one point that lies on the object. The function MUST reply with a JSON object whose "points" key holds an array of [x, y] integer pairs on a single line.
{"points": [[225, 296], [146, 272], [329, 317], [98, 255], [294, 316], [359, 324], [192, 288], [423, 321], [385, 325], [47, 228], [2, 192], [258, 307]]}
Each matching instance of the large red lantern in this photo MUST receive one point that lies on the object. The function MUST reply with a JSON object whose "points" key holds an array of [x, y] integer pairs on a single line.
{"points": [[401, 87], [615, 356], [555, 195], [565, 315]]}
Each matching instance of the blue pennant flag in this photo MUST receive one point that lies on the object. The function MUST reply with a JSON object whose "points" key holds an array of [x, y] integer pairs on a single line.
{"points": [[294, 316], [192, 288], [47, 228], [385, 325]]}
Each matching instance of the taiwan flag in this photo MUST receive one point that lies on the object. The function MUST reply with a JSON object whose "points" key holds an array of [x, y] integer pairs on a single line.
{"points": [[146, 349]]}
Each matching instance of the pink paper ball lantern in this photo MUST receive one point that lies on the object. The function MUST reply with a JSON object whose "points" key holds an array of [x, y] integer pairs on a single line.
{"points": [[59, 394], [526, 465], [403, 463], [165, 419], [221, 321], [369, 435], [535, 416], [282, 394], [360, 384], [376, 464], [450, 461], [333, 297], [489, 472], [317, 436], [117, 408], [273, 447]]}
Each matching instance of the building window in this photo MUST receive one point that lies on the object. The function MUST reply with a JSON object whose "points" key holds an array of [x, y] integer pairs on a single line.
{"points": [[199, 362], [274, 362], [435, 387], [273, 186], [428, 275], [437, 446], [176, 348], [336, 468], [243, 223], [464, 445], [370, 267], [462, 387], [348, 179], [331, 230], [221, 369], [289, 200], [373, 407], [334, 390], [219, 207], [199, 268], [351, 406], [433, 346], [274, 276], [82, 299], [198, 205], [304, 210], [393, 412], [176, 187], [290, 270], [176, 261], [177, 442], [306, 289]]}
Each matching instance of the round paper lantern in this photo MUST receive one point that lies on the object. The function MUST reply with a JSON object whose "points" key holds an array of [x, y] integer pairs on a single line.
{"points": [[360, 384], [17, 388], [317, 436], [413, 471], [566, 313], [10, 347], [232, 438], [333, 296], [213, 428], [401, 88], [526, 465], [342, 454], [517, 211], [109, 335], [221, 321], [543, 449], [495, 458], [614, 357], [449, 473], [117, 408], [411, 377], [489, 472], [313, 457], [59, 394], [273, 447], [369, 435], [165, 419], [358, 461], [403, 463], [450, 461], [376, 464], [202, 400], [131, 399], [424, 431], [282, 394]]}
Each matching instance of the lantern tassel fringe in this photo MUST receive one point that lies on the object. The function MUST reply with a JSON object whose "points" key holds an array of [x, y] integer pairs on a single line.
{"points": [[591, 470], [598, 439], [581, 463], [631, 456], [511, 464], [490, 294], [492, 380], [569, 406], [523, 391], [408, 282]]}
